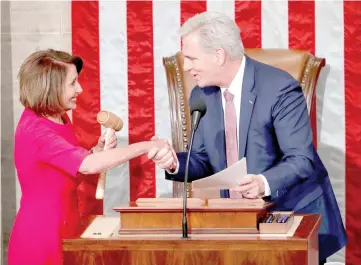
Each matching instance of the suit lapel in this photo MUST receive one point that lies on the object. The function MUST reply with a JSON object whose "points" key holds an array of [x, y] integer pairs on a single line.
{"points": [[216, 121], [248, 100]]}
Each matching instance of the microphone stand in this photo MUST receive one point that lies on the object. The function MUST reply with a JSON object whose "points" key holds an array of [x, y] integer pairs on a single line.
{"points": [[184, 220]]}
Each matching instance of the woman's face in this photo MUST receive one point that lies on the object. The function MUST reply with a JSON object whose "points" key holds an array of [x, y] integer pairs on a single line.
{"points": [[72, 88]]}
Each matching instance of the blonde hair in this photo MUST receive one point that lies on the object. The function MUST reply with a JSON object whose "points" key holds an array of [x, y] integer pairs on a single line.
{"points": [[42, 76], [217, 31]]}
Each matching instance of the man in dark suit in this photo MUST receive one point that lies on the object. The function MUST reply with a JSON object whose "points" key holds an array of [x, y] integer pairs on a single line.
{"points": [[255, 111]]}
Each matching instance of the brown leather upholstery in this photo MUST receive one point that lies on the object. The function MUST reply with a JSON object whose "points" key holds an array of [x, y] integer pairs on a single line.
{"points": [[302, 65]]}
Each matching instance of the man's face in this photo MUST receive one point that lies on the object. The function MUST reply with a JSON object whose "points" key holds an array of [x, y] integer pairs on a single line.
{"points": [[202, 66]]}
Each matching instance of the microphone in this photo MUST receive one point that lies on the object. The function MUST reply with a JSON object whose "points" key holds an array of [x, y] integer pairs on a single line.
{"points": [[197, 109]]}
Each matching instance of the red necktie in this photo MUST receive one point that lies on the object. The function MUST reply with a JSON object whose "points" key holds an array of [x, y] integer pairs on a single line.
{"points": [[230, 129], [231, 134]]}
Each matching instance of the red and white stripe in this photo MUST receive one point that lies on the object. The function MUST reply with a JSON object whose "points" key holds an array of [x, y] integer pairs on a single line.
{"points": [[123, 43]]}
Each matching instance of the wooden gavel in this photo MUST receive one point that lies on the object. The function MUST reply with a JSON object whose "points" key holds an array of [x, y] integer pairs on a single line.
{"points": [[109, 121]]}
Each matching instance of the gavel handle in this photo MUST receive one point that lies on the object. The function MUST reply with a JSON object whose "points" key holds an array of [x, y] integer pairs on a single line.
{"points": [[99, 194]]}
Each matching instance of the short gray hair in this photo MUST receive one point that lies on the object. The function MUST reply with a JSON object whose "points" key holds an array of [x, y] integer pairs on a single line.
{"points": [[217, 31]]}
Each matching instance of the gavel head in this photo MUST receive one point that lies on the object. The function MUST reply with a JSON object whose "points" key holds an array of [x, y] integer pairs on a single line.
{"points": [[109, 120]]}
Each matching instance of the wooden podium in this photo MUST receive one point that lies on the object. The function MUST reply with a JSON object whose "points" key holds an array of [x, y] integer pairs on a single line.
{"points": [[217, 235]]}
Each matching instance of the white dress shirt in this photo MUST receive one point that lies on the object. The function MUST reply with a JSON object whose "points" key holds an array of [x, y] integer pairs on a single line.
{"points": [[236, 89]]}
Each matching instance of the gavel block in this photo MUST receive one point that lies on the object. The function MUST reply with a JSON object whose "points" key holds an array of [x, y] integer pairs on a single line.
{"points": [[109, 120]]}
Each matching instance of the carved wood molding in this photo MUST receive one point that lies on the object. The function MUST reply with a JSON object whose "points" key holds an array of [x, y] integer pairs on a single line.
{"points": [[179, 113], [310, 77]]}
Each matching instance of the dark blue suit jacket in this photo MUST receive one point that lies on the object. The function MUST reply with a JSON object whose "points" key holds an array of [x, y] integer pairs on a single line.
{"points": [[275, 137]]}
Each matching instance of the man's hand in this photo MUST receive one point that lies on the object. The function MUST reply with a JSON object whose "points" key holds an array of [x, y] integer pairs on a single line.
{"points": [[165, 158], [112, 142], [250, 186]]}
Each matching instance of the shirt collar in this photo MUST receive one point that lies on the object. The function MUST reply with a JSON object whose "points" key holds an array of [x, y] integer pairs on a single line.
{"points": [[236, 85]]}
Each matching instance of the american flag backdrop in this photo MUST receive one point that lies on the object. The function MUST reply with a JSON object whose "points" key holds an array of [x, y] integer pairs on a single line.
{"points": [[123, 42]]}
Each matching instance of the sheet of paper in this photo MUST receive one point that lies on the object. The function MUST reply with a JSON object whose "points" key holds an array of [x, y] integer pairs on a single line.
{"points": [[224, 179], [102, 227]]}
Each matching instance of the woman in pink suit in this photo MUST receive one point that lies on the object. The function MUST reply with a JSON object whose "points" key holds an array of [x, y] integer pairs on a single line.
{"points": [[48, 158]]}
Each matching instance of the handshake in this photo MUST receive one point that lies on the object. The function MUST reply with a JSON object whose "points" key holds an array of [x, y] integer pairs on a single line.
{"points": [[249, 186], [163, 154]]}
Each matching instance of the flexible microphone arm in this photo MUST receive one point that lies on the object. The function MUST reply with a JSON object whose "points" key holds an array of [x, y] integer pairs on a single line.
{"points": [[197, 110], [184, 220]]}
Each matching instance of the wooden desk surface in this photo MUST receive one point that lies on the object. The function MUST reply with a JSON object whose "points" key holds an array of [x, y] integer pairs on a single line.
{"points": [[301, 248]]}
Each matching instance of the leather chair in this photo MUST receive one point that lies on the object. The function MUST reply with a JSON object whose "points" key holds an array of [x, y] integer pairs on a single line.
{"points": [[302, 65]]}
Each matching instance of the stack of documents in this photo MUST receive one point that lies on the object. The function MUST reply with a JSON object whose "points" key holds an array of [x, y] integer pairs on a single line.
{"points": [[102, 227], [236, 203], [169, 202]]}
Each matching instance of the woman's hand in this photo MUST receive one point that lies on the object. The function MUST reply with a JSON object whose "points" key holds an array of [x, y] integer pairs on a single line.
{"points": [[163, 154], [111, 143]]}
